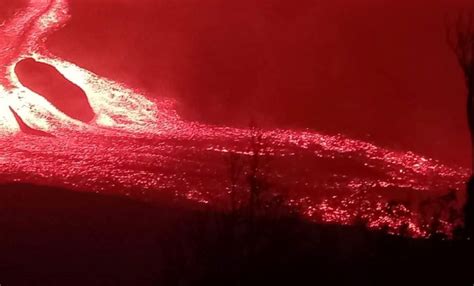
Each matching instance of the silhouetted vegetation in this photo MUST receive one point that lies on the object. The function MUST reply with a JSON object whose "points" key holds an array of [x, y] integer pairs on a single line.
{"points": [[57, 237], [469, 209], [250, 192], [260, 240], [461, 40]]}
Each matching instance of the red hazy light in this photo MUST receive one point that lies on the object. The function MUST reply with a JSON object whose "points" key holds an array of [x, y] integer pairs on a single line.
{"points": [[108, 137]]}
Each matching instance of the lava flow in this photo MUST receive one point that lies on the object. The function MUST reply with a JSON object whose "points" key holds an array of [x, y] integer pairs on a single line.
{"points": [[140, 147]]}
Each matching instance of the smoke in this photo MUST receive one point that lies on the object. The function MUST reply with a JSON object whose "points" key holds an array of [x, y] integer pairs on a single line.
{"points": [[10, 7], [378, 72]]}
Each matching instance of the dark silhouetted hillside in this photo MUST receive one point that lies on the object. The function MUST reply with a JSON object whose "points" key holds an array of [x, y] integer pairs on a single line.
{"points": [[52, 236]]}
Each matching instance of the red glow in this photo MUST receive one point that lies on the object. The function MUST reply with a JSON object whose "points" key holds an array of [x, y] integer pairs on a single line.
{"points": [[140, 147]]}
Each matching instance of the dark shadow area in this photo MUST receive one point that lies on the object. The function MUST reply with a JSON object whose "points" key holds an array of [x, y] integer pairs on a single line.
{"points": [[57, 237], [49, 83], [53, 236], [469, 208], [27, 129]]}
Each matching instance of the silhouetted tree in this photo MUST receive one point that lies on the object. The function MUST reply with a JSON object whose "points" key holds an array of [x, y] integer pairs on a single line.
{"points": [[248, 184], [461, 40]]}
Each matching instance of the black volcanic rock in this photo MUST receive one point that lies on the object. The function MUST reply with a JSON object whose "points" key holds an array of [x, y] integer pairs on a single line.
{"points": [[52, 85], [25, 128]]}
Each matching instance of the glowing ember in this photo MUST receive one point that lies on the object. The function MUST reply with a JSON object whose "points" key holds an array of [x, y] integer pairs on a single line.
{"points": [[141, 147]]}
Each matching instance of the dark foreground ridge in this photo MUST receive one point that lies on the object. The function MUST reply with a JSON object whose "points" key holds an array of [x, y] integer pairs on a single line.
{"points": [[52, 236], [46, 81]]}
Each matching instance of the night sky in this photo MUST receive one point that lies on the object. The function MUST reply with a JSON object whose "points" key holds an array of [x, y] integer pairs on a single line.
{"points": [[380, 71]]}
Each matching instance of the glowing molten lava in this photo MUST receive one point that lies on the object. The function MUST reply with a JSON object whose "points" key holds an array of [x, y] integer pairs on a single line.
{"points": [[141, 147]]}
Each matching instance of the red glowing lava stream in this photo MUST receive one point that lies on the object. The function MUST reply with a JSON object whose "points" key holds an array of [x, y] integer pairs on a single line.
{"points": [[141, 148]]}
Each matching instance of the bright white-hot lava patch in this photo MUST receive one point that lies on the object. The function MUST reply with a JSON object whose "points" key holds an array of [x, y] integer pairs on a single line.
{"points": [[140, 147]]}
